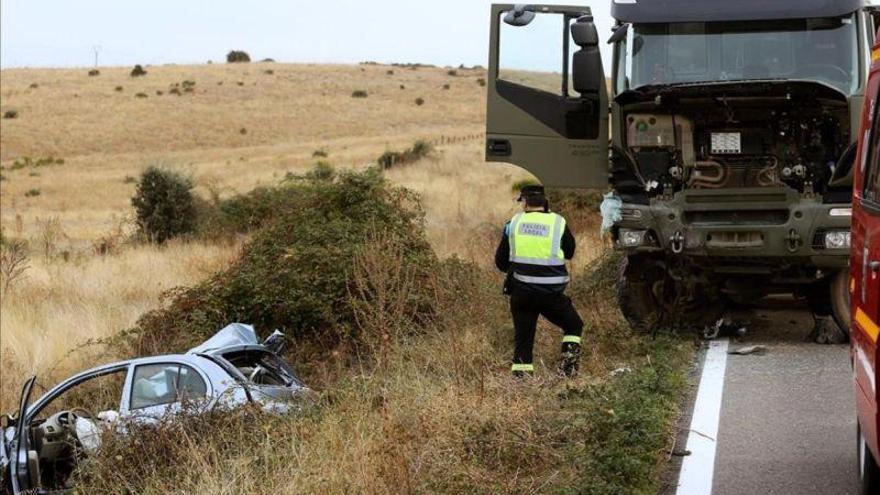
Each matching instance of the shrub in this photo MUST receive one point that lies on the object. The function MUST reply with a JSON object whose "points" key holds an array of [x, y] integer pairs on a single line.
{"points": [[359, 94], [293, 274], [174, 91], [237, 56], [389, 72], [321, 153], [159, 92], [10, 114], [34, 86], [164, 204], [242, 131], [419, 150], [32, 193], [140, 95], [94, 72], [402, 86], [118, 89], [420, 101], [13, 262], [481, 81], [138, 71], [269, 72], [446, 87], [452, 72], [268, 60]]}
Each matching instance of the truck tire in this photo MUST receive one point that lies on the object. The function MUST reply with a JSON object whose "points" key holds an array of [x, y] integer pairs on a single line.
{"points": [[840, 300], [869, 472], [635, 284]]}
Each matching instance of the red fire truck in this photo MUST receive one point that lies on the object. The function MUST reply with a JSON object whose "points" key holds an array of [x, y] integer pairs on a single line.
{"points": [[865, 283]]}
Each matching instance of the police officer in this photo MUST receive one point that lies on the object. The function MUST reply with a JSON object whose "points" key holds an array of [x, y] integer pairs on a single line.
{"points": [[533, 250]]}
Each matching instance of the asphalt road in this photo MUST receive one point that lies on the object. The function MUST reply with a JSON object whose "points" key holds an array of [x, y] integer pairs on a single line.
{"points": [[787, 418]]}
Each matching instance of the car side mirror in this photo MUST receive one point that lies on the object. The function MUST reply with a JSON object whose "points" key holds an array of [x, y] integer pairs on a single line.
{"points": [[587, 74], [521, 15]]}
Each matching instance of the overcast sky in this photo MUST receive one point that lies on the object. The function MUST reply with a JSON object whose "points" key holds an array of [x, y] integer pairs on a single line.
{"points": [[62, 33]]}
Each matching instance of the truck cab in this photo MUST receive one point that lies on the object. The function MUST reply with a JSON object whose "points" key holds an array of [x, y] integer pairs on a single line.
{"points": [[727, 132], [865, 281]]}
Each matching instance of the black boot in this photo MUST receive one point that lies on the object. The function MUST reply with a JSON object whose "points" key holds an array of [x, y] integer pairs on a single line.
{"points": [[568, 361]]}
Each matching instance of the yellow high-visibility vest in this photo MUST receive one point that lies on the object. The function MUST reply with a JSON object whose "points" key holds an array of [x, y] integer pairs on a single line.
{"points": [[536, 239]]}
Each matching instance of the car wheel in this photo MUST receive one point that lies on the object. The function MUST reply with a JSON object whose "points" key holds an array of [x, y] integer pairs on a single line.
{"points": [[840, 300], [869, 472]]}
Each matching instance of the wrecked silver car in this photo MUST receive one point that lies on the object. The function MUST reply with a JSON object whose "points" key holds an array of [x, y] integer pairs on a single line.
{"points": [[42, 441]]}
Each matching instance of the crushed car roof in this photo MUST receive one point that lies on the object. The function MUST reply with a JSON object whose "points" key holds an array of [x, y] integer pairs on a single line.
{"points": [[235, 334], [648, 11]]}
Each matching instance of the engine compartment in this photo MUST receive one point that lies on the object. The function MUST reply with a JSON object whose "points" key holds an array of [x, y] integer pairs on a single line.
{"points": [[793, 139]]}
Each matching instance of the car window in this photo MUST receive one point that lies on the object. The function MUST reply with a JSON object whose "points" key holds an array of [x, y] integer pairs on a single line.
{"points": [[262, 368], [157, 384], [96, 394]]}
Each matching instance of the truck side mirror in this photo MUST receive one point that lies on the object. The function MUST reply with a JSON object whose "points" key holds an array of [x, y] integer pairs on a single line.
{"points": [[521, 15], [587, 74]]}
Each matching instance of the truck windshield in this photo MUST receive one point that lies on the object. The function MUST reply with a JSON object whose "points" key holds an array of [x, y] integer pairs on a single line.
{"points": [[823, 50]]}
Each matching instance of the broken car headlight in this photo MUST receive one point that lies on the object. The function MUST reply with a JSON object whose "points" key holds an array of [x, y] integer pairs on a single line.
{"points": [[631, 238], [837, 239]]}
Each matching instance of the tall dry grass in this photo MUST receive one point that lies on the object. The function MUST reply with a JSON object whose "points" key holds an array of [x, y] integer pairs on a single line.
{"points": [[60, 306]]}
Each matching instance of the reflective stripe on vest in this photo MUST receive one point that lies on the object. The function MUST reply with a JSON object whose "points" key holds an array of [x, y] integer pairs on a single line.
{"points": [[542, 280], [536, 239]]}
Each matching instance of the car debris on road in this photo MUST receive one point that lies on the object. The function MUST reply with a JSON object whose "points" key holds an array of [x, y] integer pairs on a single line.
{"points": [[42, 442], [749, 349]]}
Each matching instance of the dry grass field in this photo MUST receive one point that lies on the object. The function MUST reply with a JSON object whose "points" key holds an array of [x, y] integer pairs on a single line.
{"points": [[436, 413], [105, 137]]}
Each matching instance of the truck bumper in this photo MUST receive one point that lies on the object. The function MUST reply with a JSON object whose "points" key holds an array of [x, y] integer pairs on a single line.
{"points": [[762, 228]]}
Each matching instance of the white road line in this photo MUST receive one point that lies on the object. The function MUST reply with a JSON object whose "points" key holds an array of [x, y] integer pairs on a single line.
{"points": [[697, 468]]}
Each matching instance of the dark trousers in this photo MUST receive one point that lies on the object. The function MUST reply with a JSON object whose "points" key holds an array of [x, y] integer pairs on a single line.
{"points": [[526, 306]]}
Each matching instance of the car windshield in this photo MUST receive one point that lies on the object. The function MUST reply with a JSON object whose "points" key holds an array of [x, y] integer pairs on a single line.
{"points": [[823, 50]]}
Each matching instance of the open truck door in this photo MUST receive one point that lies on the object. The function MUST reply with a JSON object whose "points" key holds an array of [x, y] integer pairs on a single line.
{"points": [[547, 98]]}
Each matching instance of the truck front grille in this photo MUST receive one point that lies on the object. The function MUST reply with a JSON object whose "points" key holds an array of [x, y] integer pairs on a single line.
{"points": [[738, 217]]}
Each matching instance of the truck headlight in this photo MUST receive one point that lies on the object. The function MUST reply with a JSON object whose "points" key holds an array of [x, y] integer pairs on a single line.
{"points": [[837, 239], [630, 237], [840, 212]]}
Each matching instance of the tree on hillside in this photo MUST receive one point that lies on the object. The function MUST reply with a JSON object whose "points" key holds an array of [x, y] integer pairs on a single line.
{"points": [[237, 56]]}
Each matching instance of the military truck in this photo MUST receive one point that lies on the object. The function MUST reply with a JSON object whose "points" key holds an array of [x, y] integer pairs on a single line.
{"points": [[727, 136]]}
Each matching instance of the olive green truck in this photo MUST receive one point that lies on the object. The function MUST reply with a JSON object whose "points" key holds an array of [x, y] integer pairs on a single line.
{"points": [[726, 136]]}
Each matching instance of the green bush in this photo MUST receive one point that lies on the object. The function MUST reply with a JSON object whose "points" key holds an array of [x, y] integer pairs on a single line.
{"points": [[294, 273], [359, 94], [237, 56], [138, 71], [420, 149], [164, 204]]}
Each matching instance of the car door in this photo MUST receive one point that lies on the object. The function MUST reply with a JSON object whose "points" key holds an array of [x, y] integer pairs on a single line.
{"points": [[19, 469], [865, 263], [158, 388], [547, 101]]}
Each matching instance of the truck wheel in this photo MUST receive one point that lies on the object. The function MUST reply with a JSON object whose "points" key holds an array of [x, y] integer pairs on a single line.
{"points": [[636, 281], [869, 472], [840, 300]]}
